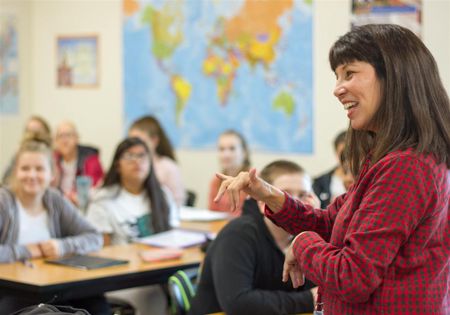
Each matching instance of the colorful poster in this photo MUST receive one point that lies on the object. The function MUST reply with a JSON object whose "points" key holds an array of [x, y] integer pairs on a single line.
{"points": [[202, 67], [9, 66], [77, 61], [406, 13]]}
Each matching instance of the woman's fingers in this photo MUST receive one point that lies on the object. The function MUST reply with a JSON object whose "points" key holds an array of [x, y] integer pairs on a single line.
{"points": [[223, 185], [297, 278], [222, 176], [252, 175], [291, 269]]}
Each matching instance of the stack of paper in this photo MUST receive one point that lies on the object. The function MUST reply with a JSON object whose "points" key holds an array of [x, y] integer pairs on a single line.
{"points": [[176, 238], [195, 214]]}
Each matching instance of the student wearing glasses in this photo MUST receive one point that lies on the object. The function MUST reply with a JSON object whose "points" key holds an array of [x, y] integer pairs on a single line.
{"points": [[132, 204]]}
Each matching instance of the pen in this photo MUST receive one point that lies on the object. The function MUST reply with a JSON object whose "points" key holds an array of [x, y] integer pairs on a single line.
{"points": [[28, 263]]}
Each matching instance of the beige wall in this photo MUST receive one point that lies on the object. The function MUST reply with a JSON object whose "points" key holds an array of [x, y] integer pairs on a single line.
{"points": [[99, 112], [11, 125]]}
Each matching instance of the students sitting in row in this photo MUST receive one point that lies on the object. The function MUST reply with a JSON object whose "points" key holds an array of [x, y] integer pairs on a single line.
{"points": [[243, 267], [167, 171], [133, 204], [234, 157], [74, 160], [37, 221]]}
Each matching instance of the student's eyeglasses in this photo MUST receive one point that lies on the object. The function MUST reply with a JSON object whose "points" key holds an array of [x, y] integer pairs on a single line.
{"points": [[128, 156]]}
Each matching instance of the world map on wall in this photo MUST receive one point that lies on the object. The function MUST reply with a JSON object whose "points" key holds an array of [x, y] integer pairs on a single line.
{"points": [[202, 67], [9, 65]]}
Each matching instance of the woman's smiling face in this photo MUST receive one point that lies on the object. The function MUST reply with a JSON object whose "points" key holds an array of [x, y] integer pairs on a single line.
{"points": [[359, 90]]}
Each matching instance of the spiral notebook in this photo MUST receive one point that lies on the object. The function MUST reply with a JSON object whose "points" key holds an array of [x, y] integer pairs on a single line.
{"points": [[86, 262]]}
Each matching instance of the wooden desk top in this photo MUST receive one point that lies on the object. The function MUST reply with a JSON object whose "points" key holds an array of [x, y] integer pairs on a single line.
{"points": [[44, 274], [45, 280]]}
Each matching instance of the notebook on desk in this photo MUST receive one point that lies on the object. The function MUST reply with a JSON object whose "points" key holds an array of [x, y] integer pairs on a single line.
{"points": [[86, 262], [176, 238]]}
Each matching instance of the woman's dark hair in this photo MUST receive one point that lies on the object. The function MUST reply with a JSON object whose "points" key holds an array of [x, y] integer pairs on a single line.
{"points": [[246, 163], [414, 109], [151, 126], [159, 205]]}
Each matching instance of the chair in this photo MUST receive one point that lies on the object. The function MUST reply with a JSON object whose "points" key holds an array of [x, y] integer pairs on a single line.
{"points": [[181, 287], [190, 198]]}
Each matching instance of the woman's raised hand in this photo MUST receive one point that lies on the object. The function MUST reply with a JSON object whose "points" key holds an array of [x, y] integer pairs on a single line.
{"points": [[250, 184]]}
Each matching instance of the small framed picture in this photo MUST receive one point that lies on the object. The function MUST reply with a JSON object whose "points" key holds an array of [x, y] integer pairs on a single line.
{"points": [[77, 64]]}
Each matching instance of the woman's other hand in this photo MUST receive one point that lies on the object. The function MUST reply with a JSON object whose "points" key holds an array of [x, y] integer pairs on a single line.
{"points": [[291, 268]]}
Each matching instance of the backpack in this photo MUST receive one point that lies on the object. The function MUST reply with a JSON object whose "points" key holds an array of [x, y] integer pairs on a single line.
{"points": [[182, 290], [47, 309]]}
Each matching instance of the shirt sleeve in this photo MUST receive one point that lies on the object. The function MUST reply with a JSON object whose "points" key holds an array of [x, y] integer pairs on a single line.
{"points": [[296, 217], [9, 252], [233, 268], [13, 252], [78, 236], [389, 212], [99, 217]]}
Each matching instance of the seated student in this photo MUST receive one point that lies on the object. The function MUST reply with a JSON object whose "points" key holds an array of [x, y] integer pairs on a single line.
{"points": [[332, 184], [243, 267], [167, 171], [234, 157], [132, 204], [37, 221], [35, 124], [74, 160]]}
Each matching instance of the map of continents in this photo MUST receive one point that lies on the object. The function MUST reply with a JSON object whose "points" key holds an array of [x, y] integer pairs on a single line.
{"points": [[202, 67]]}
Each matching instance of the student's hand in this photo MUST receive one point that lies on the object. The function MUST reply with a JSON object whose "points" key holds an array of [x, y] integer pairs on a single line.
{"points": [[73, 197], [249, 183], [50, 248], [291, 268], [34, 250]]}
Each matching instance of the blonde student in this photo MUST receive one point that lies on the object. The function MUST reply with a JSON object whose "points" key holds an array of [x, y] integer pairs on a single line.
{"points": [[37, 221]]}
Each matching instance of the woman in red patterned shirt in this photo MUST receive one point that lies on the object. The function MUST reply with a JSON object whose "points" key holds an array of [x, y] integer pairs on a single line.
{"points": [[383, 247]]}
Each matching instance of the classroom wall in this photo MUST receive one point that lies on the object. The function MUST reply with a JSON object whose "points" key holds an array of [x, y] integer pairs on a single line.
{"points": [[99, 112], [11, 125]]}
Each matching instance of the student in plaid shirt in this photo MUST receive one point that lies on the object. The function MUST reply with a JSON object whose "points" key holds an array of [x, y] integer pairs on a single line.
{"points": [[384, 246]]}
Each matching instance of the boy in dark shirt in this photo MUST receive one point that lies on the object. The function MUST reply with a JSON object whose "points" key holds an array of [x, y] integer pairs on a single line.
{"points": [[243, 267]]}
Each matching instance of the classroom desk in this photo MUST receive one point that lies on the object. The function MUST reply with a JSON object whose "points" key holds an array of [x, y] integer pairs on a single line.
{"points": [[45, 280]]}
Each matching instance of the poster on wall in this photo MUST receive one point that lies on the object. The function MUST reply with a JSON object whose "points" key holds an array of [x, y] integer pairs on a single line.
{"points": [[77, 65], [202, 67], [9, 65], [406, 13]]}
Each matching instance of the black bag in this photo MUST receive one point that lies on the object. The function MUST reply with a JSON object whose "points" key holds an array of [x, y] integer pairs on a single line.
{"points": [[47, 309]]}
